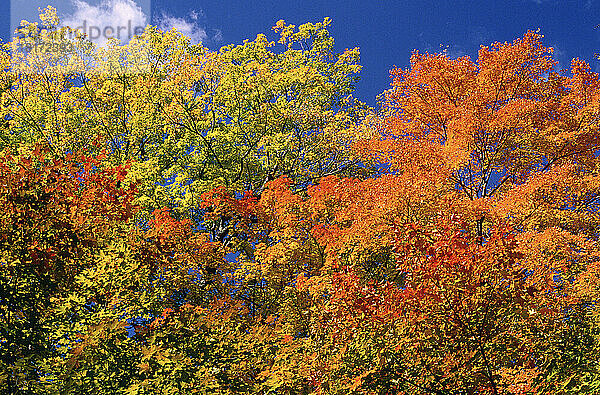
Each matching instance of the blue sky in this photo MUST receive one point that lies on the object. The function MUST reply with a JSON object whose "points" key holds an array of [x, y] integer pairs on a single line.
{"points": [[386, 31]]}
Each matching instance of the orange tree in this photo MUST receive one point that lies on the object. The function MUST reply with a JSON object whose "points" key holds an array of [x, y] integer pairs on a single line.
{"points": [[471, 265]]}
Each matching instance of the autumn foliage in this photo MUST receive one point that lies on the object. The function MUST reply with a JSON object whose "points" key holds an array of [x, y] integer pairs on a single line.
{"points": [[235, 222]]}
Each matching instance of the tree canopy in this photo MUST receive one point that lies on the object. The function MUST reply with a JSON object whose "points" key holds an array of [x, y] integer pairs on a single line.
{"points": [[180, 220], [191, 119]]}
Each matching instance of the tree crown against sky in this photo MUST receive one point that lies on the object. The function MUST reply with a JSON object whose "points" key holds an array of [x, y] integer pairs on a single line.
{"points": [[175, 220], [191, 119]]}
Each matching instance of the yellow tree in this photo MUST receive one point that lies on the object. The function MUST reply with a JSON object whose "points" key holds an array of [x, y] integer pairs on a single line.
{"points": [[192, 119]]}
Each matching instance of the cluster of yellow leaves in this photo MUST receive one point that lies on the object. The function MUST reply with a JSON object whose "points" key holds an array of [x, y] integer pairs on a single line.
{"points": [[191, 118]]}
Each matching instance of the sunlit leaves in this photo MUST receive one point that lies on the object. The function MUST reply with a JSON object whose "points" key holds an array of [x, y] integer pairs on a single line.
{"points": [[193, 119], [177, 220]]}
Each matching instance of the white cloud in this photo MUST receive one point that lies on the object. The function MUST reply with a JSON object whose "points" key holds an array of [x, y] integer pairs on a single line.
{"points": [[109, 18], [196, 33], [453, 51], [196, 14], [218, 37], [102, 19], [562, 58]]}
